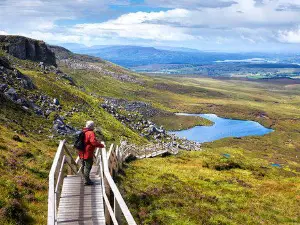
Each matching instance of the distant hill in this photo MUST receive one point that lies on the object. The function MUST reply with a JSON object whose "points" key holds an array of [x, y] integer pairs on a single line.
{"points": [[132, 56]]}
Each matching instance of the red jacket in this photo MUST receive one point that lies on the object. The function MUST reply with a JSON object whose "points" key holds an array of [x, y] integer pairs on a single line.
{"points": [[91, 144]]}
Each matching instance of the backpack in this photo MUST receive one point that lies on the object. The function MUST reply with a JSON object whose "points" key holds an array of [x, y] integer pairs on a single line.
{"points": [[79, 141]]}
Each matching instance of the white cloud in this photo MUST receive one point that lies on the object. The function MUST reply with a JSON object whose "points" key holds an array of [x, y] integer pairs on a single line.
{"points": [[140, 25], [248, 39], [2, 32], [289, 36], [53, 37], [22, 15], [193, 22], [175, 15]]}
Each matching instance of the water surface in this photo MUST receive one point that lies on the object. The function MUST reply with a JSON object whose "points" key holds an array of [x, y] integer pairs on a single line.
{"points": [[222, 128]]}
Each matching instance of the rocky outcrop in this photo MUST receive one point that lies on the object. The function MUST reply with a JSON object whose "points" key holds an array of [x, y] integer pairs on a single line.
{"points": [[13, 77], [27, 49], [61, 128], [135, 116], [142, 108], [20, 90], [17, 87]]}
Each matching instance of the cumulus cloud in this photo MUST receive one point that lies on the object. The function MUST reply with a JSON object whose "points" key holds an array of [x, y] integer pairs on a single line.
{"points": [[184, 24], [2, 32], [42, 14], [140, 25], [54, 37], [290, 36], [194, 22]]}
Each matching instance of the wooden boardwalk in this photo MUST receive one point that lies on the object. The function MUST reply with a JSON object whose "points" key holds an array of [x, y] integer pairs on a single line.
{"points": [[80, 204], [151, 155], [70, 202]]}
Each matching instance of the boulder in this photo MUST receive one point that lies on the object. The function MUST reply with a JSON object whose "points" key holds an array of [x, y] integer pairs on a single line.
{"points": [[27, 84], [61, 128], [17, 138], [22, 102], [12, 94], [42, 65], [38, 111], [48, 112], [3, 87], [68, 78]]}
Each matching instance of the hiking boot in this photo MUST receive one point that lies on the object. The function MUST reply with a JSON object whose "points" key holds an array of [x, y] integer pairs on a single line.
{"points": [[89, 183]]}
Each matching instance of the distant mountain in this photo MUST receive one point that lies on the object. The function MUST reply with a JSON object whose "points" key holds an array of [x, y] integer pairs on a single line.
{"points": [[177, 49], [132, 56]]}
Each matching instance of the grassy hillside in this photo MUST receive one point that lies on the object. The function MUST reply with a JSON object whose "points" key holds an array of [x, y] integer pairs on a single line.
{"points": [[28, 142], [232, 181], [209, 188], [206, 187], [192, 188], [26, 158]]}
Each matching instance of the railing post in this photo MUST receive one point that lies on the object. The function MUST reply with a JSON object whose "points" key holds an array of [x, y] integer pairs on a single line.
{"points": [[117, 211], [59, 180], [70, 171]]}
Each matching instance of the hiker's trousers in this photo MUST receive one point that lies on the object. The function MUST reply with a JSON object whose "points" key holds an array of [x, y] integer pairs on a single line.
{"points": [[86, 168]]}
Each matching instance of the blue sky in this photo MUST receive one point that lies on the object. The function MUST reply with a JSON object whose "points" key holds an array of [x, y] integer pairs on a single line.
{"points": [[217, 25]]}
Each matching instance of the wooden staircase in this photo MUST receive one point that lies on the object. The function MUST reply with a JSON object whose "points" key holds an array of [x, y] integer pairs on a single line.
{"points": [[71, 202]]}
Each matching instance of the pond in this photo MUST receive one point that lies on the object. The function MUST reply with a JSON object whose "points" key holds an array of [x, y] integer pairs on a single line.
{"points": [[222, 128]]}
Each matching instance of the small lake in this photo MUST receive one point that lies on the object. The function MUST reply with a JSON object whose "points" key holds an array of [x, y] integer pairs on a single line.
{"points": [[222, 128]]}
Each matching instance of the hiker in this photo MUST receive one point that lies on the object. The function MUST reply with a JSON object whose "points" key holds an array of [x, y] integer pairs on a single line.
{"points": [[86, 156]]}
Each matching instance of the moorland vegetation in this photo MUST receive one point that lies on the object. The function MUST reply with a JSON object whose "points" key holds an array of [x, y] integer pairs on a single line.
{"points": [[232, 181]]}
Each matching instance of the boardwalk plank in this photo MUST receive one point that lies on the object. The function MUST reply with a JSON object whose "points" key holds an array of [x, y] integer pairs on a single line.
{"points": [[79, 204]]}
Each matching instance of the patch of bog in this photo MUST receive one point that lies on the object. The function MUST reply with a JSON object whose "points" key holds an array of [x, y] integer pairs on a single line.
{"points": [[222, 128]]}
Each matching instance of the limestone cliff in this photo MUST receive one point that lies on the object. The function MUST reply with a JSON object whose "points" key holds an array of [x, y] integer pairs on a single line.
{"points": [[27, 49]]}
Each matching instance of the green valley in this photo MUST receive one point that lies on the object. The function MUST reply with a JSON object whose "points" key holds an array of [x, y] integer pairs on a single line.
{"points": [[231, 181]]}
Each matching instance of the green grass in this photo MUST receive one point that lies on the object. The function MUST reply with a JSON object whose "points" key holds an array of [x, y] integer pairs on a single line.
{"points": [[208, 188], [24, 166]]}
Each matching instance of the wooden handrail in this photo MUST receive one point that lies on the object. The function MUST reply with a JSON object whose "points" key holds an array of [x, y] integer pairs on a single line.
{"points": [[62, 157], [118, 199], [106, 201], [52, 204]]}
